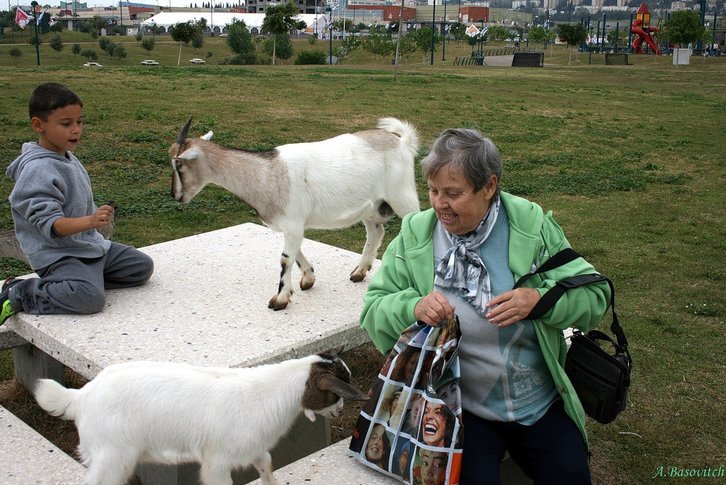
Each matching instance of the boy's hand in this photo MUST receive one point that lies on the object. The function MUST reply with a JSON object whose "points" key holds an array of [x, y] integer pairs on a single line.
{"points": [[103, 216]]}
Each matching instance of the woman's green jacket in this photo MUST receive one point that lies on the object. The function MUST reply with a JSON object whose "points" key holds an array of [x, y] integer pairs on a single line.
{"points": [[407, 274]]}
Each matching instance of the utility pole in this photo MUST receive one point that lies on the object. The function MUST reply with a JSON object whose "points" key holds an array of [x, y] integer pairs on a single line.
{"points": [[36, 9]]}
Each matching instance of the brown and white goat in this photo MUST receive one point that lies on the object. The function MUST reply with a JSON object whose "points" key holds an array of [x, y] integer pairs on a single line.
{"points": [[331, 184], [222, 418]]}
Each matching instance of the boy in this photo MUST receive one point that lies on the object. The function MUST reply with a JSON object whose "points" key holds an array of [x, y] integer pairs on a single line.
{"points": [[56, 219]]}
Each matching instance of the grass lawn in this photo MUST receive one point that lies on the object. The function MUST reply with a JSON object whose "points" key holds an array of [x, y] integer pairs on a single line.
{"points": [[629, 158]]}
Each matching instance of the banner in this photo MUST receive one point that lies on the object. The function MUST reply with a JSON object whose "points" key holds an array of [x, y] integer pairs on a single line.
{"points": [[44, 22], [21, 18]]}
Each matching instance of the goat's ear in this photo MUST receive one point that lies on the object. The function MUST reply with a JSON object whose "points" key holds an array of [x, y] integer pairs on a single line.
{"points": [[329, 382], [190, 154]]}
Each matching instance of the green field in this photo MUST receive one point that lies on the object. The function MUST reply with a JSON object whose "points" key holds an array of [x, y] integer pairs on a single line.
{"points": [[629, 158]]}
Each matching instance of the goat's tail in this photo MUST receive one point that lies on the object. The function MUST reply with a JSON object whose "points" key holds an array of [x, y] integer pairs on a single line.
{"points": [[405, 130], [56, 399]]}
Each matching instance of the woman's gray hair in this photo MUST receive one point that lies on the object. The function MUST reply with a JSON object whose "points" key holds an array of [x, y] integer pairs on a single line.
{"points": [[467, 149]]}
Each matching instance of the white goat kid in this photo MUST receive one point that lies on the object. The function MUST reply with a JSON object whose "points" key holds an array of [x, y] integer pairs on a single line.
{"points": [[176, 413], [331, 184]]}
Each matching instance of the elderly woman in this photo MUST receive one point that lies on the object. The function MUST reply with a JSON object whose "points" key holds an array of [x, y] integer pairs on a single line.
{"points": [[463, 256]]}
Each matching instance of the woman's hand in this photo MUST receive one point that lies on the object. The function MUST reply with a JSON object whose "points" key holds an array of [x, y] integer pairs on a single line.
{"points": [[512, 306], [433, 309]]}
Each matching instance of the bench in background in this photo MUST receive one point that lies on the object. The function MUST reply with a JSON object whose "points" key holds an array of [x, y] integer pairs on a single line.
{"points": [[528, 59]]}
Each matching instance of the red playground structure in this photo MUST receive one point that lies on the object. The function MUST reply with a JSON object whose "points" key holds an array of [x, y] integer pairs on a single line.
{"points": [[642, 31]]}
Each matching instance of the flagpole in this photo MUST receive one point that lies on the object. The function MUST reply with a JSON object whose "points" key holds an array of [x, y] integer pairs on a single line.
{"points": [[36, 7]]}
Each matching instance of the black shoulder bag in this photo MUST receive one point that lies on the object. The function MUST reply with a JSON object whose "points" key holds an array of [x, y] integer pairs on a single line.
{"points": [[601, 379]]}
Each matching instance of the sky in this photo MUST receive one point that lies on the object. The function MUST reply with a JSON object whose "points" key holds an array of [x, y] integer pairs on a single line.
{"points": [[106, 3]]}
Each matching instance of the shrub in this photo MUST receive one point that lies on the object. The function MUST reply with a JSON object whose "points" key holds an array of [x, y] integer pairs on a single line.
{"points": [[89, 54], [148, 43], [310, 57], [15, 53]]}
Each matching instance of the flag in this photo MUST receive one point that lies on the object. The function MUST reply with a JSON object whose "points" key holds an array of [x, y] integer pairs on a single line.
{"points": [[21, 18], [44, 22], [472, 31]]}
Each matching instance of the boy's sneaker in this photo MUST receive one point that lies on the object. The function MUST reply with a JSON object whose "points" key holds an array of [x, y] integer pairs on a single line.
{"points": [[6, 308]]}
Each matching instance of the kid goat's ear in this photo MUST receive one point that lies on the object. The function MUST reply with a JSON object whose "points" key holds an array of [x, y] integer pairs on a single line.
{"points": [[329, 382]]}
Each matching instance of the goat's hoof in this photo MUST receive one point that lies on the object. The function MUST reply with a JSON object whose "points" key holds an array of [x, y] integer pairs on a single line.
{"points": [[277, 305], [358, 274], [306, 284]]}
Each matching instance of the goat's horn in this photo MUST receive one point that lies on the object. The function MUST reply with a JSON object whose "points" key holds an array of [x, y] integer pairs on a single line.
{"points": [[341, 388], [184, 133]]}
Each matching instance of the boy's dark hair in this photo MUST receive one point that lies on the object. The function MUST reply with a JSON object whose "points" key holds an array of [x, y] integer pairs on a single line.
{"points": [[48, 97]]}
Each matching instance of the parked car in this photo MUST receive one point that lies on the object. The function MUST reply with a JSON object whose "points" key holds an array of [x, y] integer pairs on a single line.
{"points": [[149, 62], [197, 60], [92, 64]]}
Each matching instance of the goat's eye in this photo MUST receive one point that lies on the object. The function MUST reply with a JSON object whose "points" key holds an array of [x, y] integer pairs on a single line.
{"points": [[177, 164]]}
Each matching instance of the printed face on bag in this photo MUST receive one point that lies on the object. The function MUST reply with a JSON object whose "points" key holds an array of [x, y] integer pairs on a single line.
{"points": [[378, 446], [432, 467], [414, 413], [433, 427], [448, 393], [403, 458], [423, 377]]}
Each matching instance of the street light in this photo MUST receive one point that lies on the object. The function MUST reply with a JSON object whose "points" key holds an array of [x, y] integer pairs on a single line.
{"points": [[443, 55], [36, 9], [330, 35], [433, 33]]}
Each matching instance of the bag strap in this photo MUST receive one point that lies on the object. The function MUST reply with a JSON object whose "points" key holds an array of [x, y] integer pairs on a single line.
{"points": [[549, 299]]}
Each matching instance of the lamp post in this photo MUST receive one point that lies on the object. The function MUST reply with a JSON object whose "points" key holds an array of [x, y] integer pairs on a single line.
{"points": [[330, 35], [443, 55], [433, 33], [36, 9]]}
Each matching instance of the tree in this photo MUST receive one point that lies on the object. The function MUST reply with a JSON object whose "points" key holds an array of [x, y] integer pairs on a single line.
{"points": [[422, 38], [198, 41], [683, 27], [538, 35], [617, 40], [149, 43], [56, 42], [119, 51], [280, 20], [89, 54], [379, 45], [96, 24], [573, 35], [15, 53], [458, 31], [498, 32], [311, 57], [282, 44], [240, 42], [184, 32]]}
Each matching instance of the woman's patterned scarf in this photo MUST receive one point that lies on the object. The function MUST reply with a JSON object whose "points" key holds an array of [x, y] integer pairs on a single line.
{"points": [[462, 270]]}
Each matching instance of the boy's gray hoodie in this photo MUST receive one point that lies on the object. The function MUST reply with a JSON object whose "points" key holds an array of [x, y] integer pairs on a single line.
{"points": [[49, 186]]}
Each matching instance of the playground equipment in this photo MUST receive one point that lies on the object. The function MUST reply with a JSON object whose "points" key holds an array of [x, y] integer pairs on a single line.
{"points": [[642, 31]]}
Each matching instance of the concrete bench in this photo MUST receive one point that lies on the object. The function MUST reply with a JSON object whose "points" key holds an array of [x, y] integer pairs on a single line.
{"points": [[27, 457], [616, 59], [206, 304], [9, 339], [528, 59], [335, 465]]}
